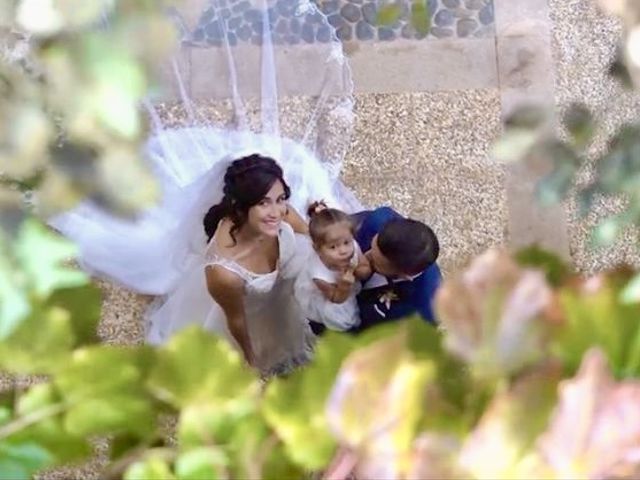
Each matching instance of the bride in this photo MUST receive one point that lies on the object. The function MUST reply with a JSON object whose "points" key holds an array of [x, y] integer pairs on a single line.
{"points": [[224, 245]]}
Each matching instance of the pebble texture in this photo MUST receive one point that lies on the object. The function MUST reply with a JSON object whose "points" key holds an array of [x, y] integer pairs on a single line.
{"points": [[433, 165], [584, 42], [238, 21]]}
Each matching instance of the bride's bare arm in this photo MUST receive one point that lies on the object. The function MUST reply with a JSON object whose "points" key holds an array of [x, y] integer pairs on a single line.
{"points": [[227, 289], [294, 219]]}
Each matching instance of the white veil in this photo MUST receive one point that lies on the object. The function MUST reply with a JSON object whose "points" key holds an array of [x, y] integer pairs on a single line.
{"points": [[279, 85]]}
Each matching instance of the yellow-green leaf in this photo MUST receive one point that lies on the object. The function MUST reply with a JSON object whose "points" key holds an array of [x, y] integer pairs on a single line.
{"points": [[42, 254], [420, 17], [39, 344], [200, 463], [376, 404], [389, 14], [181, 377], [152, 468]]}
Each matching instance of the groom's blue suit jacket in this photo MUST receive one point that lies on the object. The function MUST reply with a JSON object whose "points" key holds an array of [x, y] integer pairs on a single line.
{"points": [[411, 296]]}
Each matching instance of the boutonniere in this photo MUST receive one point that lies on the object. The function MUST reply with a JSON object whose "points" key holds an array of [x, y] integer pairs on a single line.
{"points": [[387, 297]]}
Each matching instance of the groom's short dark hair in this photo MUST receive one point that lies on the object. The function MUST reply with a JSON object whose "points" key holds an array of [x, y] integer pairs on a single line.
{"points": [[409, 245]]}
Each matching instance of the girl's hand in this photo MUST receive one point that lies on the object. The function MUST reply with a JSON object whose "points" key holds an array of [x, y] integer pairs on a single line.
{"points": [[347, 278]]}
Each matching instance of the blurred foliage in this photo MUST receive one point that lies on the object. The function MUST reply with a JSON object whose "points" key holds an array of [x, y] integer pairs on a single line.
{"points": [[531, 373], [72, 76]]}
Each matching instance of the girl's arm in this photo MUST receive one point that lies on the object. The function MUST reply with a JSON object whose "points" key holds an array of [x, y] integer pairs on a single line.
{"points": [[336, 292], [294, 219], [227, 289]]}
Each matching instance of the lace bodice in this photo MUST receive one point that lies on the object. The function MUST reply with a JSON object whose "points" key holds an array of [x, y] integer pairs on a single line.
{"points": [[260, 283]]}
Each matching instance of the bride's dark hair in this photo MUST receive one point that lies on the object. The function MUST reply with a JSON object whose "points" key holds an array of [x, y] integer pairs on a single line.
{"points": [[246, 182]]}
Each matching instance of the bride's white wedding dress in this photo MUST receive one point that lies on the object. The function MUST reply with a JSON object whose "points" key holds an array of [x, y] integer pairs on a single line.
{"points": [[165, 251], [280, 338]]}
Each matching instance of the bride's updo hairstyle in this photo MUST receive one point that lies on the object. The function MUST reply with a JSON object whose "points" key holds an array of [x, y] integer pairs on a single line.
{"points": [[246, 182]]}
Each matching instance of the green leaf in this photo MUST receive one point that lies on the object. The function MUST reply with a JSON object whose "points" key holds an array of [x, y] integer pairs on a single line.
{"points": [[420, 17], [555, 270], [580, 124], [104, 387], [618, 169], [244, 442], [22, 460], [631, 367], [206, 421], [514, 145], [631, 293], [5, 415], [528, 117], [278, 465], [115, 413], [449, 397], [586, 198], [150, 469], [119, 82], [49, 431], [554, 187], [256, 452], [200, 463], [294, 406], [122, 445], [14, 302], [181, 377], [41, 254], [608, 230], [389, 14], [591, 309], [38, 397], [40, 344], [84, 305]]}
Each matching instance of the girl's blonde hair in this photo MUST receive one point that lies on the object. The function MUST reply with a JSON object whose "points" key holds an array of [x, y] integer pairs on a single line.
{"points": [[321, 217]]}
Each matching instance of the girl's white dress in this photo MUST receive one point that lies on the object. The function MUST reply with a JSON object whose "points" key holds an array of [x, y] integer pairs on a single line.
{"points": [[336, 316]]}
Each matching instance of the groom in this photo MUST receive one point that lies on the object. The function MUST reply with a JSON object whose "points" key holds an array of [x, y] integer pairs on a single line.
{"points": [[403, 254]]}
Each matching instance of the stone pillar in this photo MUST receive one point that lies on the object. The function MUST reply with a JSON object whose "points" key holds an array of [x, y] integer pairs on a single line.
{"points": [[525, 72]]}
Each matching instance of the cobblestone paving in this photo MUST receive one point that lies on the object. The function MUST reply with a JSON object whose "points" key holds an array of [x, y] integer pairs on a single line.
{"points": [[240, 22]]}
